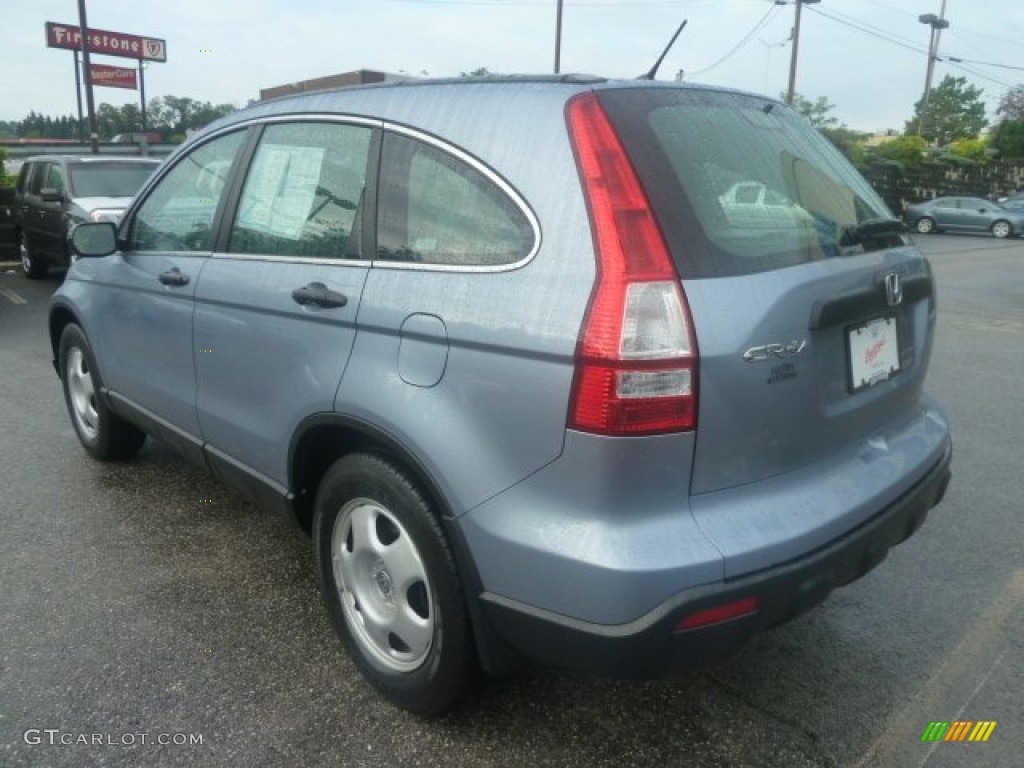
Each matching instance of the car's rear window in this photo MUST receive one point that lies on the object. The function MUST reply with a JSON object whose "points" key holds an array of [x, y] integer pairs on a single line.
{"points": [[740, 184], [109, 179]]}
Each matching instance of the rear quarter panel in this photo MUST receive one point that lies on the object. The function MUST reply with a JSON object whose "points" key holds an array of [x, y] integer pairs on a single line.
{"points": [[505, 340]]}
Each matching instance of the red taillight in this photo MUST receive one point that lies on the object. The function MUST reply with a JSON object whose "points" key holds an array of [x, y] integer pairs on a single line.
{"points": [[745, 607], [636, 361]]}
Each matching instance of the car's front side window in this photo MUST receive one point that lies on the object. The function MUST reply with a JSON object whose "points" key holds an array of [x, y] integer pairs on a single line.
{"points": [[179, 211], [303, 192]]}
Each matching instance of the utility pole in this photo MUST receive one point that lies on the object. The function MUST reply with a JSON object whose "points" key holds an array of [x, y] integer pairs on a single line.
{"points": [[796, 45], [558, 39], [94, 137], [937, 23]]}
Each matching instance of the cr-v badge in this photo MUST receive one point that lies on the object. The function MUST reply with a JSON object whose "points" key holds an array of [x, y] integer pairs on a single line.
{"points": [[772, 351]]}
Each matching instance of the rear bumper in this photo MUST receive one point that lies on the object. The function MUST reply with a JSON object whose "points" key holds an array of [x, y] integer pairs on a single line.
{"points": [[651, 646]]}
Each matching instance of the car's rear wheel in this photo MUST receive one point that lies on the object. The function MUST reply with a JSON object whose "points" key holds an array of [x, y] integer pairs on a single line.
{"points": [[103, 433], [925, 225], [1002, 229], [390, 583], [33, 268]]}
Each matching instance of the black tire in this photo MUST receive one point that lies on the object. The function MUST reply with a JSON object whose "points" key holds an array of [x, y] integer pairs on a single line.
{"points": [[1001, 229], [104, 434], [390, 583], [34, 269]]}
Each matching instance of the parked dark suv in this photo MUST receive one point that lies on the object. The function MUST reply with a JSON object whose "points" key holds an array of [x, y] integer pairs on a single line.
{"points": [[514, 354], [54, 192]]}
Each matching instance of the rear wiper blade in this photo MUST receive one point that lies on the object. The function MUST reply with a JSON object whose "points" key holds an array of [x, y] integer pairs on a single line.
{"points": [[870, 230]]}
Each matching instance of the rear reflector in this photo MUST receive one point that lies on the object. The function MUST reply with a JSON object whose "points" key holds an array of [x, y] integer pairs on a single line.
{"points": [[745, 607], [636, 358]]}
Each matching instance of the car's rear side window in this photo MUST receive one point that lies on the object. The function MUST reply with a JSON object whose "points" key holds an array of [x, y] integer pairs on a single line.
{"points": [[304, 191], [54, 179], [36, 178], [740, 184], [435, 208]]}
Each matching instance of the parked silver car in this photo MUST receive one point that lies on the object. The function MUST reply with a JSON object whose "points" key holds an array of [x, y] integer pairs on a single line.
{"points": [[533, 390], [965, 214]]}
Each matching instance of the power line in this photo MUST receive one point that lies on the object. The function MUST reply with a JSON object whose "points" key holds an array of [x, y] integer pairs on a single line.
{"points": [[874, 32], [868, 31], [955, 63], [746, 39], [984, 63], [545, 3]]}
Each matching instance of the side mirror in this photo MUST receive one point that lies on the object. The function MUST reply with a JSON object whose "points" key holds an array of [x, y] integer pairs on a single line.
{"points": [[51, 195], [94, 240]]}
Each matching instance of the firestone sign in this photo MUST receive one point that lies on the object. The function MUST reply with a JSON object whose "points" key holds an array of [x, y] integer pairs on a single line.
{"points": [[110, 43]]}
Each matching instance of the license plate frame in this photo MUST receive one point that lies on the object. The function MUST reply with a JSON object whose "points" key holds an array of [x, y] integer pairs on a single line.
{"points": [[873, 352]]}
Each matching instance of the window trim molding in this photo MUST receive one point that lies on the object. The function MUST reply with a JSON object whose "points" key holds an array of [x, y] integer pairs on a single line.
{"points": [[419, 135]]}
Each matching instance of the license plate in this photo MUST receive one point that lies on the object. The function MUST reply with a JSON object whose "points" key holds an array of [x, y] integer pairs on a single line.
{"points": [[874, 352]]}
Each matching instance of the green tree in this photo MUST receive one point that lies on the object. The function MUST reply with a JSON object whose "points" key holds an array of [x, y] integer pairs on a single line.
{"points": [[972, 149], [847, 141], [908, 151], [178, 114], [1009, 140], [1011, 106], [955, 111], [819, 111]]}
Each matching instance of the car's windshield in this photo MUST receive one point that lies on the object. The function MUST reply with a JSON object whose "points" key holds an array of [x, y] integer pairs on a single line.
{"points": [[753, 186], [109, 179]]}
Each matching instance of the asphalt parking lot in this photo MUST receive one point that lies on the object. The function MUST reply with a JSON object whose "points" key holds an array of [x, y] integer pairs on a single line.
{"points": [[145, 604]]}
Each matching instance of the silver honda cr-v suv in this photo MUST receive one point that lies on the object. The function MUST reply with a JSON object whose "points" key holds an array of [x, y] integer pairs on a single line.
{"points": [[604, 374]]}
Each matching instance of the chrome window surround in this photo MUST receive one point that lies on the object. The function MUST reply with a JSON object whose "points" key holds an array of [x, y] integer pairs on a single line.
{"points": [[418, 135]]}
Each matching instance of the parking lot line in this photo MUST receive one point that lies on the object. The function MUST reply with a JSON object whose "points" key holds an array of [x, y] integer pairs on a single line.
{"points": [[10, 295], [958, 671]]}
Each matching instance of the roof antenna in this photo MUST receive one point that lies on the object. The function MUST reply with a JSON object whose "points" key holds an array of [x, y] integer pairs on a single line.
{"points": [[654, 70]]}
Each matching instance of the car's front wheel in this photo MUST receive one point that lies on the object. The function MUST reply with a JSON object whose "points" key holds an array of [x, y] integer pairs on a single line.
{"points": [[1001, 229], [925, 225], [390, 583], [34, 268], [104, 434]]}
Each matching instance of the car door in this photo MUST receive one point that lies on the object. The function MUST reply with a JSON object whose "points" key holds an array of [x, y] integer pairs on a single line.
{"points": [[144, 335], [948, 213], [39, 215], [51, 202], [276, 304], [976, 213]]}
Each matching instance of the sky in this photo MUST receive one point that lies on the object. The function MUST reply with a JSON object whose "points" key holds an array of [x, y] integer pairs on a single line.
{"points": [[868, 57]]}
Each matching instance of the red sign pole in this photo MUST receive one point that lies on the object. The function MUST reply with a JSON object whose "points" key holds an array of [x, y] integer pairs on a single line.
{"points": [[142, 94]]}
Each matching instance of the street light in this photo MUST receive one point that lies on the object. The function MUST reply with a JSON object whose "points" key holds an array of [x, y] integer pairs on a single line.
{"points": [[796, 45], [937, 24]]}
